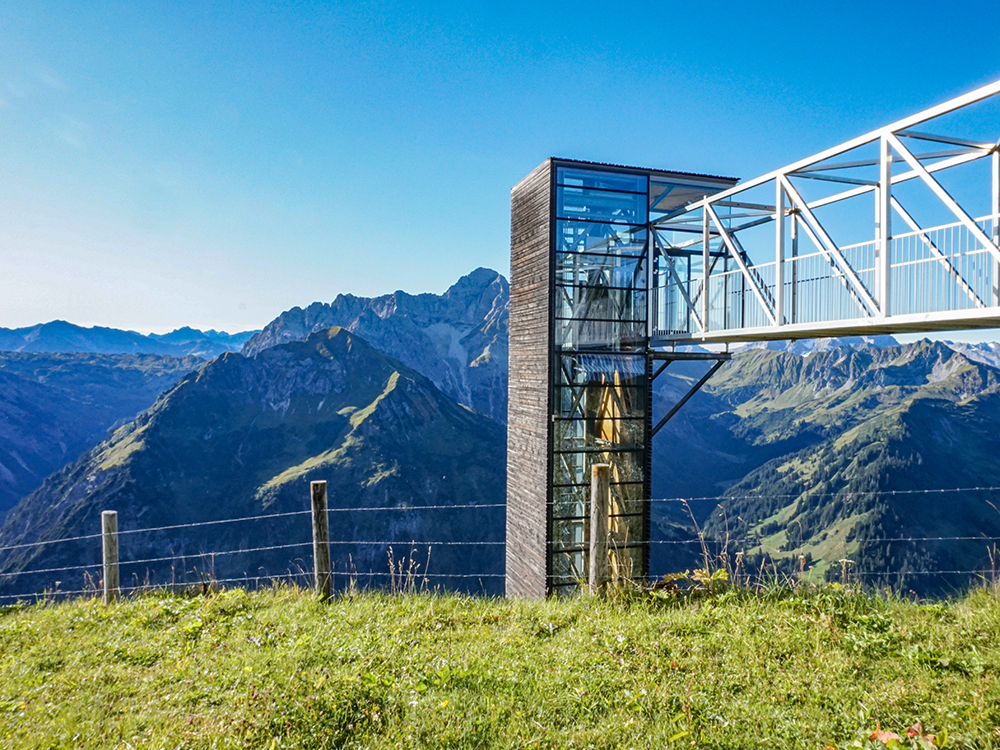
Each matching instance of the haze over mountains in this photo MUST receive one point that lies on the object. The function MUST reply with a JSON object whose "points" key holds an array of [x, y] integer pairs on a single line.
{"points": [[63, 337]]}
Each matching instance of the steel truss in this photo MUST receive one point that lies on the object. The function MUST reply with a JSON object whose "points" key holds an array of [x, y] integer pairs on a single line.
{"points": [[704, 286]]}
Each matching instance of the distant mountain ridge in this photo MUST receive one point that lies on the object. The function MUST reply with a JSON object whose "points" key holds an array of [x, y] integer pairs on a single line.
{"points": [[458, 339], [60, 336]]}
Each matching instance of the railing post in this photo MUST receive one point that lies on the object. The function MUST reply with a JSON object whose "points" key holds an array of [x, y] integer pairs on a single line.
{"points": [[883, 216], [995, 223], [706, 267], [779, 254], [793, 316], [600, 502], [109, 538], [321, 538]]}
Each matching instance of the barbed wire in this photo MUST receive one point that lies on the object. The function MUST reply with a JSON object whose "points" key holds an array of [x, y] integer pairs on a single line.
{"points": [[50, 541], [221, 553], [266, 516], [215, 523], [418, 507], [49, 570], [369, 509], [807, 493]]}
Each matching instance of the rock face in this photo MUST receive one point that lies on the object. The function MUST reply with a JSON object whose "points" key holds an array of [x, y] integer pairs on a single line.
{"points": [[244, 436], [457, 339], [55, 406], [60, 336]]}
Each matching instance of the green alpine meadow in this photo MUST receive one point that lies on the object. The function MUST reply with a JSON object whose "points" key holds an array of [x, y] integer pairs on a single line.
{"points": [[710, 666]]}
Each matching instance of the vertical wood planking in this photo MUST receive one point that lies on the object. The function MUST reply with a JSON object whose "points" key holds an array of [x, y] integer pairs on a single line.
{"points": [[600, 504], [321, 538], [109, 539], [528, 411]]}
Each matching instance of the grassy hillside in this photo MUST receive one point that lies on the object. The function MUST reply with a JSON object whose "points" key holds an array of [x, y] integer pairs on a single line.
{"points": [[280, 669]]}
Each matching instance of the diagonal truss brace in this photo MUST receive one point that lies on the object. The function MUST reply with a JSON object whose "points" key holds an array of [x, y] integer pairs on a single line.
{"points": [[936, 252], [735, 253], [829, 248], [944, 196], [677, 280], [721, 359]]}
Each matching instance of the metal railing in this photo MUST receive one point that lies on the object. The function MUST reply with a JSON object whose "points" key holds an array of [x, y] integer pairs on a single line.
{"points": [[935, 270]]}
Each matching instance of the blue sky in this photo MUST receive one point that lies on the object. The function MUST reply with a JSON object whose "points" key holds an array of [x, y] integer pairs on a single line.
{"points": [[167, 164]]}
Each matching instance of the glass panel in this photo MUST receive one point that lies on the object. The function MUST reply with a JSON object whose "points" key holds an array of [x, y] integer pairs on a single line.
{"points": [[600, 369], [586, 303], [601, 334], [570, 534], [573, 434], [582, 236], [570, 502], [572, 401], [592, 178], [581, 269], [568, 568], [573, 501], [625, 530], [594, 205], [574, 468]]}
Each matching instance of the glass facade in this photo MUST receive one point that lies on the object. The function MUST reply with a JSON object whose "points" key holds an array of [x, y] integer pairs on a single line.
{"points": [[600, 388]]}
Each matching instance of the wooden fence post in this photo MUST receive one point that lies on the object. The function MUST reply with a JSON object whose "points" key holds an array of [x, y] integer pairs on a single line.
{"points": [[600, 501], [109, 536], [321, 538]]}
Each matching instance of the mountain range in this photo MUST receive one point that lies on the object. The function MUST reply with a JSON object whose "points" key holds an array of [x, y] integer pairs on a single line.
{"points": [[846, 454], [792, 451], [55, 406], [457, 339], [62, 337]]}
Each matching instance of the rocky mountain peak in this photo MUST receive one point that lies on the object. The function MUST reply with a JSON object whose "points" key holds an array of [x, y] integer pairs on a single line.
{"points": [[457, 339]]}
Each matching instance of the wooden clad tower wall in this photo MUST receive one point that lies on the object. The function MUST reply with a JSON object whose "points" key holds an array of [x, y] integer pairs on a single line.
{"points": [[529, 411]]}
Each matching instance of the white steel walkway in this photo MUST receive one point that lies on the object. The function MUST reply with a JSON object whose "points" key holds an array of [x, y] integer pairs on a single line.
{"points": [[897, 230]]}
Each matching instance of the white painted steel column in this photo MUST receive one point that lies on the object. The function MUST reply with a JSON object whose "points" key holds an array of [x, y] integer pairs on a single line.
{"points": [[883, 198], [794, 229], [705, 258], [995, 210], [779, 254]]}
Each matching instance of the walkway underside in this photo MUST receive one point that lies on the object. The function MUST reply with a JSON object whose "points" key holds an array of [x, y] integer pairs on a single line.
{"points": [[920, 323]]}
